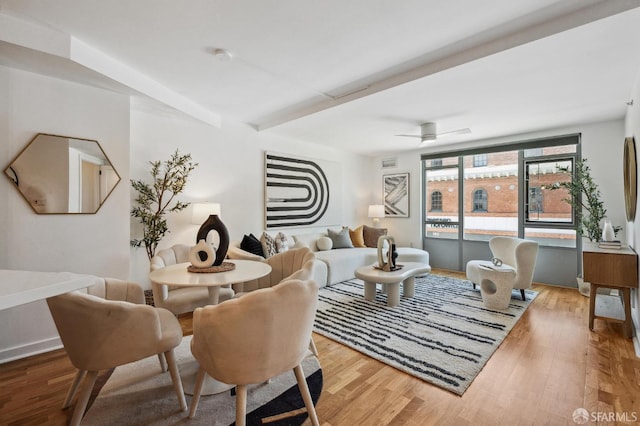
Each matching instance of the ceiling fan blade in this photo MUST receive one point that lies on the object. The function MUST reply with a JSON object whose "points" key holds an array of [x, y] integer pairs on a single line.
{"points": [[410, 136], [464, 131]]}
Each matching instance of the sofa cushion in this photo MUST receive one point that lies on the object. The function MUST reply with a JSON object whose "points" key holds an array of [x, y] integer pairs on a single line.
{"points": [[252, 244], [307, 240], [340, 239], [357, 239], [371, 235], [342, 263]]}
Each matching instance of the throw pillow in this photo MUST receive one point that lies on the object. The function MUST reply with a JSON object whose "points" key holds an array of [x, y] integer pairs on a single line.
{"points": [[357, 239], [251, 244], [324, 243], [341, 238], [268, 245], [282, 243], [371, 235]]}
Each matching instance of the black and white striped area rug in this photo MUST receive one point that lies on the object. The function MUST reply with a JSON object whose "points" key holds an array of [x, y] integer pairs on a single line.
{"points": [[444, 335]]}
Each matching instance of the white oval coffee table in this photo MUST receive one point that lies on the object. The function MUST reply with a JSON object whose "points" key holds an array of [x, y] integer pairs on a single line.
{"points": [[372, 276]]}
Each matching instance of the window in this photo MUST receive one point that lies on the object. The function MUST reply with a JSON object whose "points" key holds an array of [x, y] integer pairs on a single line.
{"points": [[522, 181], [480, 201], [480, 160], [544, 202], [533, 152], [436, 162], [436, 201], [535, 200]]}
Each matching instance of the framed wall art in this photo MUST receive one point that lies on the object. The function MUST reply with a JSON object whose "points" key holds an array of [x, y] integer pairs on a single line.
{"points": [[396, 195], [301, 191]]}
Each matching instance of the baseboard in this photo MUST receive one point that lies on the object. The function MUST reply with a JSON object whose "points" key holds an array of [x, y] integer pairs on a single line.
{"points": [[636, 326], [33, 348]]}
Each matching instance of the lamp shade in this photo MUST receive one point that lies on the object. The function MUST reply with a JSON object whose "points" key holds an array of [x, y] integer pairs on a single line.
{"points": [[202, 211], [376, 210]]}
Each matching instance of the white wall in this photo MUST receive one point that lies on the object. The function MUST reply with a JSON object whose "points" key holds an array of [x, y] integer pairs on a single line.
{"points": [[230, 172], [95, 244], [602, 145], [632, 128]]}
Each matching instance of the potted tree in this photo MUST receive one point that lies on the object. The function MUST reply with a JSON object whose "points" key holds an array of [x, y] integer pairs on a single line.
{"points": [[583, 195], [156, 199]]}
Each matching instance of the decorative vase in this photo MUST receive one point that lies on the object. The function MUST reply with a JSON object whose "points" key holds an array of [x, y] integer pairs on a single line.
{"points": [[607, 231], [213, 223], [202, 255], [387, 256]]}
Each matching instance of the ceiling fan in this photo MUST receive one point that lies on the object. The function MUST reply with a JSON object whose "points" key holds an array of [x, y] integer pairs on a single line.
{"points": [[428, 132]]}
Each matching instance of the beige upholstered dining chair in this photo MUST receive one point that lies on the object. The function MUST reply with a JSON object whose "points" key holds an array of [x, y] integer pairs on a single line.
{"points": [[282, 266], [518, 253], [180, 299], [291, 264], [107, 326], [255, 337]]}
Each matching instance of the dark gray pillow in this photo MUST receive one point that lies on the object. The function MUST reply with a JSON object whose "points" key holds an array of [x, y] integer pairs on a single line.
{"points": [[251, 244], [340, 239]]}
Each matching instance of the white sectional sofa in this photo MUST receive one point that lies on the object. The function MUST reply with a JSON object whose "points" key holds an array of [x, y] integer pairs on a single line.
{"points": [[336, 265]]}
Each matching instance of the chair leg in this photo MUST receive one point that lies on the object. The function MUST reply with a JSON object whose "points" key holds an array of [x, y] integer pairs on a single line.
{"points": [[241, 405], [306, 396], [175, 378], [83, 398], [163, 364], [313, 348], [74, 388], [197, 390], [522, 294]]}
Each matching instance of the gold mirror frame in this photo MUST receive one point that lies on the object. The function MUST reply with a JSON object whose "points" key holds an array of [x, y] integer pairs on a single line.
{"points": [[63, 175], [630, 178]]}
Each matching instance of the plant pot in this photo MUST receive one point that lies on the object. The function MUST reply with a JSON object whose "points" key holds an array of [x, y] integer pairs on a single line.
{"points": [[583, 287]]}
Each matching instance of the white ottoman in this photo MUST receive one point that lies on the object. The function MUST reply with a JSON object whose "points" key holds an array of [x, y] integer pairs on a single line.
{"points": [[496, 282]]}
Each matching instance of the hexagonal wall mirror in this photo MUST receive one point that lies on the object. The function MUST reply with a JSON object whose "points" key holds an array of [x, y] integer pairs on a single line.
{"points": [[59, 174]]}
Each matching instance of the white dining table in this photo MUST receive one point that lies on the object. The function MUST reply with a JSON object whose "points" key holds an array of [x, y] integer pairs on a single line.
{"points": [[178, 275]]}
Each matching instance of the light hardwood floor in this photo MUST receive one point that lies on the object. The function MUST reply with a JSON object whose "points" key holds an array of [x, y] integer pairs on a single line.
{"points": [[547, 367]]}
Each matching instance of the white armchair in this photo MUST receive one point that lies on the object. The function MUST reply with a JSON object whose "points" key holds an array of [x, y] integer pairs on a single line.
{"points": [[517, 253], [180, 299]]}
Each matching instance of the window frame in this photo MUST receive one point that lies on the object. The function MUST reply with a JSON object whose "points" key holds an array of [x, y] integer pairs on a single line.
{"points": [[523, 226], [572, 224]]}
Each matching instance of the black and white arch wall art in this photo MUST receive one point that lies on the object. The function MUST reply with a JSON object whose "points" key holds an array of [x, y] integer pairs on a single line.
{"points": [[396, 195], [300, 191]]}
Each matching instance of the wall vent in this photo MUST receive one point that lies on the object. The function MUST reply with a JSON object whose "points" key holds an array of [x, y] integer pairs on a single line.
{"points": [[389, 163]]}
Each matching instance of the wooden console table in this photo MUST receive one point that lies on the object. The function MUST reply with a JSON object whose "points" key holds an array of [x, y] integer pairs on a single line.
{"points": [[613, 269]]}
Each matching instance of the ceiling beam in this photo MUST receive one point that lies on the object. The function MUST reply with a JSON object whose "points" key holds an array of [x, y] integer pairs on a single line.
{"points": [[543, 23]]}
